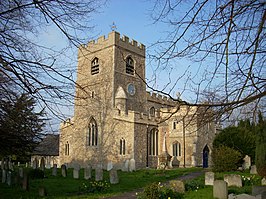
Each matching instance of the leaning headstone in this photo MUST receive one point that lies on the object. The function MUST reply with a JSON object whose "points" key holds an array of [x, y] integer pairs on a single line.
{"points": [[125, 166], [9, 178], [25, 182], [42, 166], [233, 180], [253, 169], [263, 181], [220, 189], [109, 166], [113, 176], [87, 172], [209, 178], [63, 170], [54, 172], [177, 186], [20, 172], [247, 162], [3, 176], [132, 165], [256, 190], [98, 174]]}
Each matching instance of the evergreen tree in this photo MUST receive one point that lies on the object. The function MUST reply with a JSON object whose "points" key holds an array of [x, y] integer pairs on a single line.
{"points": [[20, 126], [261, 146]]}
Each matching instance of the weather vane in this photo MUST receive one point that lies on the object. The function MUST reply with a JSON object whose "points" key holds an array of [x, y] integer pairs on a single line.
{"points": [[113, 27]]}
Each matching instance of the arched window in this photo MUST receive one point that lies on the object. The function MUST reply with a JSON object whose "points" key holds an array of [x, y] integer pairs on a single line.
{"points": [[67, 148], [176, 149], [92, 133], [95, 66], [129, 66], [153, 142], [152, 111], [122, 146]]}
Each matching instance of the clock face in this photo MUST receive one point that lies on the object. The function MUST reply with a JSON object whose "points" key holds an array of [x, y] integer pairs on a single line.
{"points": [[131, 89]]}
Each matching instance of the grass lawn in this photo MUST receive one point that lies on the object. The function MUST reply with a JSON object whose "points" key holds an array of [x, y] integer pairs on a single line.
{"points": [[59, 187]]}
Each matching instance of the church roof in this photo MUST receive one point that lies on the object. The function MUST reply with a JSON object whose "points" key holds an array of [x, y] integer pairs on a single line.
{"points": [[120, 93], [48, 147]]}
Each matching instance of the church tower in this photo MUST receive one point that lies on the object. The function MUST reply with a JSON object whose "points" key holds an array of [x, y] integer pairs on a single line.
{"points": [[107, 68]]}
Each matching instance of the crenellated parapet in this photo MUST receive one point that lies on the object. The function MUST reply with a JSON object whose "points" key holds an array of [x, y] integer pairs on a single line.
{"points": [[160, 99], [136, 117], [114, 39]]}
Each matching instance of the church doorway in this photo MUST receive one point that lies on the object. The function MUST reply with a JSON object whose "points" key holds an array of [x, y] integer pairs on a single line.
{"points": [[206, 152]]}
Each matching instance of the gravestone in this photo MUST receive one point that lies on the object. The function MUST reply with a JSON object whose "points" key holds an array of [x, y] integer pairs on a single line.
{"points": [[42, 191], [177, 186], [253, 169], [132, 165], [87, 172], [125, 166], [20, 172], [109, 166], [26, 165], [263, 181], [209, 178], [76, 169], [63, 170], [42, 166], [25, 182], [34, 164], [54, 172], [48, 165], [256, 190], [6, 165], [98, 174], [18, 164], [247, 162], [10, 166], [9, 178], [3, 176], [220, 189], [113, 176], [233, 180]]}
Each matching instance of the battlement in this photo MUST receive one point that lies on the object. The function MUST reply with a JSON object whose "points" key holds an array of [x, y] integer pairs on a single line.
{"points": [[160, 99], [135, 116], [114, 38]]}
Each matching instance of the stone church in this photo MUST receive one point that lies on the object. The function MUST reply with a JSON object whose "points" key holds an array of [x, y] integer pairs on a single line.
{"points": [[116, 119]]}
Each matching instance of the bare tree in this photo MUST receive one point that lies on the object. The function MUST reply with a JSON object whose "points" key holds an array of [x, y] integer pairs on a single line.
{"points": [[225, 42], [26, 61]]}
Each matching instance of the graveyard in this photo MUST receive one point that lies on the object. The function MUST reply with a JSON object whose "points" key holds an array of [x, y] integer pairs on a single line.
{"points": [[24, 181]]}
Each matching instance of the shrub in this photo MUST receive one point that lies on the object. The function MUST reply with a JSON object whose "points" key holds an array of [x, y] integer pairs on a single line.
{"points": [[251, 180], [193, 185], [95, 187], [36, 174], [225, 159], [158, 191]]}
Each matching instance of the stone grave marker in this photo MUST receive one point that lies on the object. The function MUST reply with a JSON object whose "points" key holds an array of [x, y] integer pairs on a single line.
{"points": [[253, 169], [209, 178], [10, 166], [177, 186], [233, 180], [263, 181], [125, 166], [48, 165], [20, 172], [42, 165], [25, 182], [4, 176], [76, 169], [9, 178], [26, 165], [54, 172], [109, 166], [247, 162], [42, 191], [220, 189], [64, 170], [34, 163], [113, 176], [87, 172], [18, 164], [98, 174], [132, 165], [256, 190]]}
